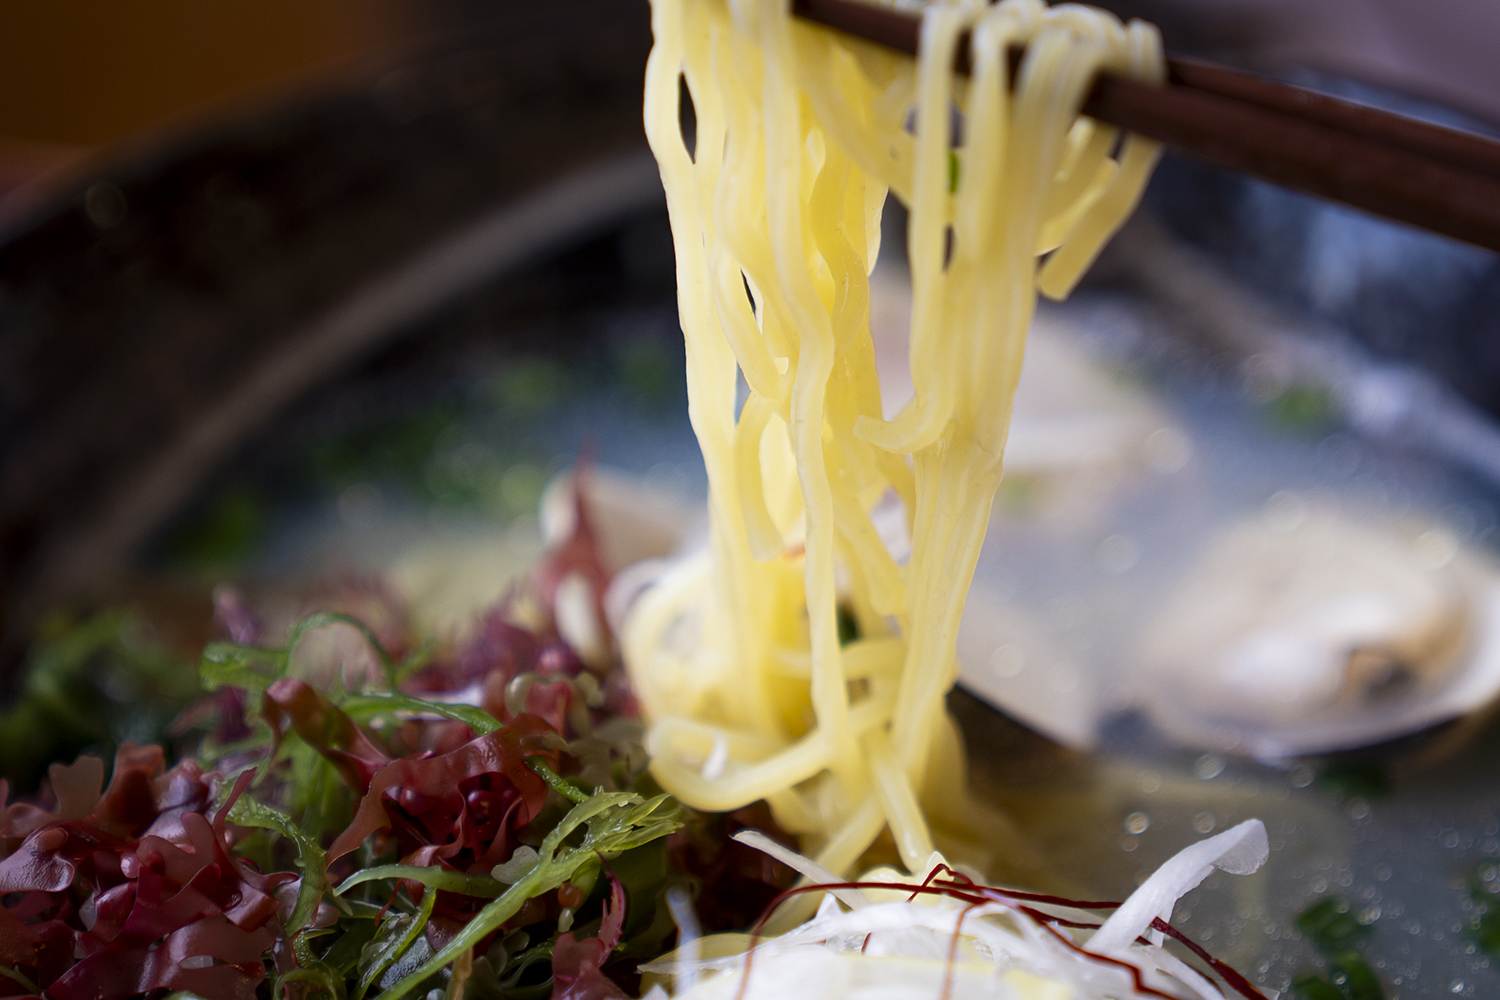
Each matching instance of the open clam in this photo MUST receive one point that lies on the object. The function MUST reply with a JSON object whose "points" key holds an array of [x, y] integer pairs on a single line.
{"points": [[1317, 631]]}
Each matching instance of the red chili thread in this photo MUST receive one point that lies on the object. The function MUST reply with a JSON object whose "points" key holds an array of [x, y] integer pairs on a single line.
{"points": [[1006, 895], [958, 926], [1227, 972], [783, 896], [977, 895], [1241, 985], [930, 876], [1135, 971]]}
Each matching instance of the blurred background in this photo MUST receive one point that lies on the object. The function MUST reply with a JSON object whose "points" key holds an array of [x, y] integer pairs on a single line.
{"points": [[1441, 50], [80, 75], [77, 75]]}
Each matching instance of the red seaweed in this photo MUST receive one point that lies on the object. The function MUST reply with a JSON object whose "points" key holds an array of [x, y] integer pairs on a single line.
{"points": [[164, 903], [461, 808], [577, 965], [290, 702], [579, 553]]}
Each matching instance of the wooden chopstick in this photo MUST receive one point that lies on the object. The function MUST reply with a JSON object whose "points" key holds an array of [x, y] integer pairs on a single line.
{"points": [[1447, 145], [1439, 179]]}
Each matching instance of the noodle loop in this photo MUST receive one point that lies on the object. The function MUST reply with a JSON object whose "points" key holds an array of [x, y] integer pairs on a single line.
{"points": [[776, 222]]}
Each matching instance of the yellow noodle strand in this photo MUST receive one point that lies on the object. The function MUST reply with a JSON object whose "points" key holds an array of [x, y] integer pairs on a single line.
{"points": [[736, 654]]}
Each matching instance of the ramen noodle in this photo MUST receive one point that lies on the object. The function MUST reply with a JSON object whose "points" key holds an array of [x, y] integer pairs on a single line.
{"points": [[795, 660]]}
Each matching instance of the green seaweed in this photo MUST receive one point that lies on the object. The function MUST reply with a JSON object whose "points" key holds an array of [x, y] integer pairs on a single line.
{"points": [[88, 685], [225, 535], [310, 859], [613, 823], [1355, 780], [1484, 922], [1339, 935], [1301, 407]]}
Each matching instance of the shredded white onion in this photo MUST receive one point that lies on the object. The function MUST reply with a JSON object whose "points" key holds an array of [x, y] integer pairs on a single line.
{"points": [[883, 949], [680, 904], [1238, 851], [815, 873]]}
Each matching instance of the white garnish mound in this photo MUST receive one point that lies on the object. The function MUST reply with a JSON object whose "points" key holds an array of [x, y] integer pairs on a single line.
{"points": [[875, 944]]}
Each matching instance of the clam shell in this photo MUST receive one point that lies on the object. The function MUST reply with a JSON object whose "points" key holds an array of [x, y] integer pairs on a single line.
{"points": [[1322, 635]]}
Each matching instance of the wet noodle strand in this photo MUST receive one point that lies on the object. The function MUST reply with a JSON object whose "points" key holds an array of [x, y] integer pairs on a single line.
{"points": [[798, 135]]}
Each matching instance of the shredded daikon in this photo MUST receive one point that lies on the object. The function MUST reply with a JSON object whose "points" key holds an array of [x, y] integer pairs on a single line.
{"points": [[941, 944]]}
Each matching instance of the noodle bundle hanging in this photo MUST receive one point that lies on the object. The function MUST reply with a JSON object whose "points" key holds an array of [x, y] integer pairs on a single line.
{"points": [[796, 660]]}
